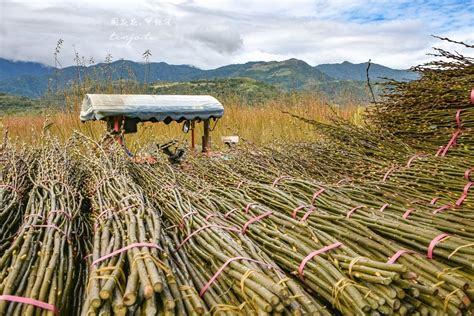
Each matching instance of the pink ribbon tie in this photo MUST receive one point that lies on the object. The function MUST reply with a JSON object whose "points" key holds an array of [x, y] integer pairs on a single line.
{"points": [[30, 301], [433, 244], [397, 255], [313, 254]]}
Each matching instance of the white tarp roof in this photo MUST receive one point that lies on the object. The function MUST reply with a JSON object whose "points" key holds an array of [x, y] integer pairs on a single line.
{"points": [[150, 107]]}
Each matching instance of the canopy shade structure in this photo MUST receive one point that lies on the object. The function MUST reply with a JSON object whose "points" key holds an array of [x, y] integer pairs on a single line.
{"points": [[154, 108]]}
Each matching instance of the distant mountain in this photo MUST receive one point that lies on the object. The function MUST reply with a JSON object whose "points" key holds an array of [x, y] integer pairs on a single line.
{"points": [[11, 69], [33, 79], [292, 74], [350, 71], [244, 90]]}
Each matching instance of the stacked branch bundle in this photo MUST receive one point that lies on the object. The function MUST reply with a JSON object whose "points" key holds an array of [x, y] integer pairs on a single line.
{"points": [[371, 220]]}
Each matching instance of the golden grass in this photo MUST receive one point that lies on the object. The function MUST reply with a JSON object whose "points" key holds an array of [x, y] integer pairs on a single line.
{"points": [[261, 125]]}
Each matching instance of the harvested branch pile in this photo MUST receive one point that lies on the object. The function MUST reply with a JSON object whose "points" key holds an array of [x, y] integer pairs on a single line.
{"points": [[360, 223]]}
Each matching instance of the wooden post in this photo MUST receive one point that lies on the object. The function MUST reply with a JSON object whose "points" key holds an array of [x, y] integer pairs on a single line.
{"points": [[193, 141], [206, 140], [117, 122]]}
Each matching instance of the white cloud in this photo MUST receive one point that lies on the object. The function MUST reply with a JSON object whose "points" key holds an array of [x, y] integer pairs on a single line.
{"points": [[211, 33]]}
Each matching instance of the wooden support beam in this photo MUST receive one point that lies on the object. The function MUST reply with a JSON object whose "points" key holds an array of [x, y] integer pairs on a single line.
{"points": [[206, 139], [193, 140]]}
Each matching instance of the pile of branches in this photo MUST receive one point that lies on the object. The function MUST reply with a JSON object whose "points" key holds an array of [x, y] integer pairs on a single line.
{"points": [[435, 112], [361, 223]]}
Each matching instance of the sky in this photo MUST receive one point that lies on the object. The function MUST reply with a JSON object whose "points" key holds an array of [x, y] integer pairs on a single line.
{"points": [[212, 33]]}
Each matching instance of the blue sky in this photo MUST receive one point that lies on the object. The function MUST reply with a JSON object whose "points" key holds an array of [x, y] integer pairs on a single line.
{"points": [[211, 33]]}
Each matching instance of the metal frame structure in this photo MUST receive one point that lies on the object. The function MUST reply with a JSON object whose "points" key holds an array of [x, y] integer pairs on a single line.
{"points": [[124, 112]]}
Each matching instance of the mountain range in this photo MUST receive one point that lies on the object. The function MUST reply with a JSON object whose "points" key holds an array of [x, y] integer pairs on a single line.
{"points": [[33, 79]]}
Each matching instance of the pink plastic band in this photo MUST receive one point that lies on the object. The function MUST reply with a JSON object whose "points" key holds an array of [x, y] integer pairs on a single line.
{"points": [[349, 214], [218, 272], [247, 208], [316, 194], [240, 183], [296, 210], [230, 212], [181, 223], [385, 177], [460, 201], [279, 179], [68, 216], [384, 207], [255, 219], [209, 216], [442, 208], [315, 253], [434, 200], [49, 226], [397, 255], [30, 301], [467, 187], [467, 174], [189, 214], [102, 214], [34, 215], [119, 251], [458, 119], [472, 96], [343, 180], [113, 211], [205, 227], [440, 149], [451, 142], [433, 244], [413, 158], [307, 214], [8, 186], [407, 213]]}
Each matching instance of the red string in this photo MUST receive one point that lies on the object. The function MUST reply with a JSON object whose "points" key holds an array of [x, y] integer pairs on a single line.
{"points": [[255, 219], [30, 301], [313, 254]]}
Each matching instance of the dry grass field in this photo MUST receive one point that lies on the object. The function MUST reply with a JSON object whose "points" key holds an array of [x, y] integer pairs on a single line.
{"points": [[261, 124]]}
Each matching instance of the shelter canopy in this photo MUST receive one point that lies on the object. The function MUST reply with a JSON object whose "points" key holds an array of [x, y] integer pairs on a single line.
{"points": [[155, 108]]}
